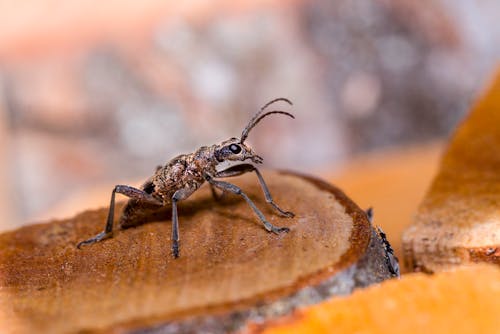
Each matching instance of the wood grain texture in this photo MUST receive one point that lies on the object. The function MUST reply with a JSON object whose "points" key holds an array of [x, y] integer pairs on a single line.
{"points": [[228, 261], [458, 221]]}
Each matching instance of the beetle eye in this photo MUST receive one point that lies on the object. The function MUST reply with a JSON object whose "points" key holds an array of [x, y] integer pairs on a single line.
{"points": [[235, 148]]}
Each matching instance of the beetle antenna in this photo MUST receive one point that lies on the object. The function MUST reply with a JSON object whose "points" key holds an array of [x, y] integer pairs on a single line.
{"points": [[258, 117], [274, 101]]}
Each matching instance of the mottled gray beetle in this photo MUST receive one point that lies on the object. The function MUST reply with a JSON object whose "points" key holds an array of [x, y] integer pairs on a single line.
{"points": [[184, 174], [391, 260]]}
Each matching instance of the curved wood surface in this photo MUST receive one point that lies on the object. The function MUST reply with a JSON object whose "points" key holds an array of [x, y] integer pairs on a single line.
{"points": [[458, 222], [228, 261]]}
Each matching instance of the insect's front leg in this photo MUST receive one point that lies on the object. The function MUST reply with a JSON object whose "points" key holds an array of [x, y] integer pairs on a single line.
{"points": [[246, 168], [179, 195], [128, 191], [236, 190]]}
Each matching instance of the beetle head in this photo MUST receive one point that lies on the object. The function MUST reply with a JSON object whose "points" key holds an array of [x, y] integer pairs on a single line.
{"points": [[235, 149]]}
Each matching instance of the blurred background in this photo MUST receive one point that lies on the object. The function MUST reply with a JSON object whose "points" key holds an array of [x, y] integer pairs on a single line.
{"points": [[95, 93]]}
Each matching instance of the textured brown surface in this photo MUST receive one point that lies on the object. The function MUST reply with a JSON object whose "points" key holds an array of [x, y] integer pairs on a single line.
{"points": [[459, 219], [457, 302], [227, 260]]}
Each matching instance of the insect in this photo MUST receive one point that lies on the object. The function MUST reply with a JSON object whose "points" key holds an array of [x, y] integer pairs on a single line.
{"points": [[391, 260], [184, 174]]}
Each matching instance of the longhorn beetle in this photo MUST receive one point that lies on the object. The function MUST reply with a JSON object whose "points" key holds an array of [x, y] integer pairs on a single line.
{"points": [[184, 174]]}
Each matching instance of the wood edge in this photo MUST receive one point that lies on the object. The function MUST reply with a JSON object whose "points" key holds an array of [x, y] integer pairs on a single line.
{"points": [[440, 280], [449, 258]]}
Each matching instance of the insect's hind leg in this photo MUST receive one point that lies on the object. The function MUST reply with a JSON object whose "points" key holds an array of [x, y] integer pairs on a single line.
{"points": [[128, 191], [246, 168], [236, 190]]}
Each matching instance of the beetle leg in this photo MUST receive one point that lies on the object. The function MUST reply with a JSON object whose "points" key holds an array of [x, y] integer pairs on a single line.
{"points": [[179, 195], [246, 168], [128, 191], [216, 196], [236, 190]]}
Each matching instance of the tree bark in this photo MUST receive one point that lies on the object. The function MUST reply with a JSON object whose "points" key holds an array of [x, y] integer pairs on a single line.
{"points": [[231, 270]]}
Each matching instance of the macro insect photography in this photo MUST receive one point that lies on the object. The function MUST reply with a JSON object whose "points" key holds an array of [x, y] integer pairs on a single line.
{"points": [[249, 166]]}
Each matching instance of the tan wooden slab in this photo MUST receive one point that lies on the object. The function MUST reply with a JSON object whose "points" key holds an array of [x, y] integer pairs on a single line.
{"points": [[228, 261], [458, 221]]}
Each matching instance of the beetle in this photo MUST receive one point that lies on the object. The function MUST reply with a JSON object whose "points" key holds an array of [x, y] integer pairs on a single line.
{"points": [[184, 174], [391, 259]]}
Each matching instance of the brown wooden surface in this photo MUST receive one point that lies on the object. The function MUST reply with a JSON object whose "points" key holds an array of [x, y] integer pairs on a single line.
{"points": [[458, 221], [227, 260]]}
